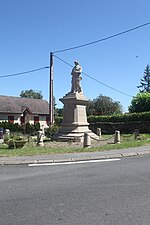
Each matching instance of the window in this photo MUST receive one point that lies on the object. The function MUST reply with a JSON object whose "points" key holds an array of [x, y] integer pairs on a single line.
{"points": [[11, 119], [36, 119]]}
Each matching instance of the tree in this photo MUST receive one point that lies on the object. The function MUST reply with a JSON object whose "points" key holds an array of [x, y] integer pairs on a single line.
{"points": [[104, 105], [90, 108], [140, 103], [145, 82], [31, 94], [59, 111]]}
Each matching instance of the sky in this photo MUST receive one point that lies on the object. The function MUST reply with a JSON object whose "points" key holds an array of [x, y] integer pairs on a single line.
{"points": [[31, 29]]}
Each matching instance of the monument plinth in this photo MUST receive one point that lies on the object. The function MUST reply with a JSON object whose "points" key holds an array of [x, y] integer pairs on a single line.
{"points": [[74, 123]]}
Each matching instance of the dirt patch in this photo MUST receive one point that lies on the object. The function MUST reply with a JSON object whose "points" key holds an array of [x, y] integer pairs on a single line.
{"points": [[77, 144]]}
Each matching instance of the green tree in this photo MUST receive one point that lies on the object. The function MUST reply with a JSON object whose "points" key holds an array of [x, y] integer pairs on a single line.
{"points": [[90, 108], [140, 103], [104, 105], [59, 111], [145, 81], [31, 94]]}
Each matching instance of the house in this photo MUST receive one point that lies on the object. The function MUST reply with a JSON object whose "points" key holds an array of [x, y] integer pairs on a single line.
{"points": [[23, 110]]}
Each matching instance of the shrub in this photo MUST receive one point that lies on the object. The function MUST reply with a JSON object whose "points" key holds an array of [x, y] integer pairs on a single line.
{"points": [[11, 126], [25, 129], [51, 131], [58, 120]]}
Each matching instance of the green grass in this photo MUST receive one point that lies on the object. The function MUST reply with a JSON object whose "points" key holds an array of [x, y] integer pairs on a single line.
{"points": [[127, 141]]}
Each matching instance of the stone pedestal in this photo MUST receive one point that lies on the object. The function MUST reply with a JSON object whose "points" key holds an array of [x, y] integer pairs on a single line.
{"points": [[74, 123]]}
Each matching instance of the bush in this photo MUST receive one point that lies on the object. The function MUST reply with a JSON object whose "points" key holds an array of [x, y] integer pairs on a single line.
{"points": [[51, 131], [14, 127], [58, 120], [25, 129]]}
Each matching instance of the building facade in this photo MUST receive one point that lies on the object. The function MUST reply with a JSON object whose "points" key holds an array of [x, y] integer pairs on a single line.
{"points": [[24, 110]]}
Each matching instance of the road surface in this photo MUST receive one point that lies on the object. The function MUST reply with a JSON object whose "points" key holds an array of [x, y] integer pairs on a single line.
{"points": [[97, 193]]}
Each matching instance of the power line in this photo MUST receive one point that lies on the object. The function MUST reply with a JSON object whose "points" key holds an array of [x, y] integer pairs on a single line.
{"points": [[114, 89], [25, 72], [107, 85], [103, 39], [63, 60]]}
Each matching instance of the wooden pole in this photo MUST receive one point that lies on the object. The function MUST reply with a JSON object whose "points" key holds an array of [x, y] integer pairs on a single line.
{"points": [[51, 99]]}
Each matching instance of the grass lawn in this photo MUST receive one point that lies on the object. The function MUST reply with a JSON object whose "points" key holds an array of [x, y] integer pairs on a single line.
{"points": [[30, 149]]}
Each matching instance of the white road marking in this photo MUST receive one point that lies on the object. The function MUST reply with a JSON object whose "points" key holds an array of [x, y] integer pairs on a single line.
{"points": [[71, 163]]}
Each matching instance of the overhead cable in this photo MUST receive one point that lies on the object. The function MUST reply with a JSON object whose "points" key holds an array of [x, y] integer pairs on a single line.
{"points": [[25, 72], [114, 89], [103, 39]]}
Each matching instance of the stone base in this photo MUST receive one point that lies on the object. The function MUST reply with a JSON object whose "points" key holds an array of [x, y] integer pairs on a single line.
{"points": [[75, 137], [74, 123]]}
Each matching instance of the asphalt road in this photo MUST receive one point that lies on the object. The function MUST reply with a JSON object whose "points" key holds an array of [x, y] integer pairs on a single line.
{"points": [[101, 193]]}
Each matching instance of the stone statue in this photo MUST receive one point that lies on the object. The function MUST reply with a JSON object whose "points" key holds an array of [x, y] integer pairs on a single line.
{"points": [[76, 78]]}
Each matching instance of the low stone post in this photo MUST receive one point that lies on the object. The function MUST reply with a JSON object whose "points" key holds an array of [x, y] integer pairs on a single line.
{"points": [[99, 133], [1, 136], [7, 132], [136, 133], [87, 140], [6, 135], [40, 138], [117, 137], [43, 130]]}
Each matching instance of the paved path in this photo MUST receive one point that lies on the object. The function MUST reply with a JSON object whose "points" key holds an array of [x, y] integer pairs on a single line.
{"points": [[70, 157]]}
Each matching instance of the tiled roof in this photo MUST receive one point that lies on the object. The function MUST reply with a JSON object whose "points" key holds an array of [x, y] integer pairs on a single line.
{"points": [[9, 104]]}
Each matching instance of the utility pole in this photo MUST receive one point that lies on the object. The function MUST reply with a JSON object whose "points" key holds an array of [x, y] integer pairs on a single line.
{"points": [[51, 98]]}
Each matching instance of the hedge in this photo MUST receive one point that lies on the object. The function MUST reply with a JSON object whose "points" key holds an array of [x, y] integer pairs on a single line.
{"points": [[15, 127], [127, 117], [123, 127], [125, 123]]}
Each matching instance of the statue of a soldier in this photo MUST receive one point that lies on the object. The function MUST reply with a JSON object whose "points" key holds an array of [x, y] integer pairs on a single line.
{"points": [[76, 78]]}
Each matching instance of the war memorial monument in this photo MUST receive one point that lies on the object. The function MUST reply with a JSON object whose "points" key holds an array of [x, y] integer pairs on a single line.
{"points": [[74, 124]]}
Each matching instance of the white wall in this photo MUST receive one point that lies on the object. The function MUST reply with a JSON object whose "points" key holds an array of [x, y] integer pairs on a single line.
{"points": [[29, 118], [4, 117]]}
